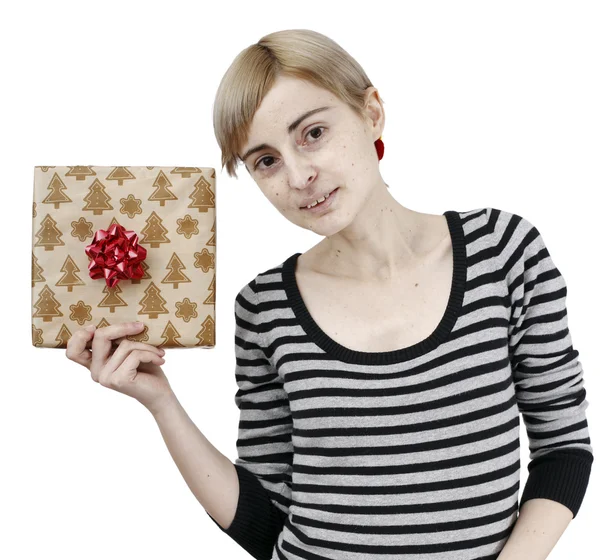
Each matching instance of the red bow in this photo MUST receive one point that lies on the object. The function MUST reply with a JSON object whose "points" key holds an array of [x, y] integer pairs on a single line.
{"points": [[115, 255]]}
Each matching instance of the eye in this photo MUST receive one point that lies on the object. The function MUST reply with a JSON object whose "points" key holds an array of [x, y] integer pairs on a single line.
{"points": [[313, 129], [308, 133]]}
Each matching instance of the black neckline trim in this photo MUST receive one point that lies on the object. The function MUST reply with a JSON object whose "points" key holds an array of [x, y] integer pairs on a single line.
{"points": [[445, 326]]}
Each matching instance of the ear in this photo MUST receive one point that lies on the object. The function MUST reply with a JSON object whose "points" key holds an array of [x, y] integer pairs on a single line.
{"points": [[373, 108]]}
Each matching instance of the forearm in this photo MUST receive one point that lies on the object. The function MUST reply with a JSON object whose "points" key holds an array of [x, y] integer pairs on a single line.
{"points": [[539, 525], [209, 474]]}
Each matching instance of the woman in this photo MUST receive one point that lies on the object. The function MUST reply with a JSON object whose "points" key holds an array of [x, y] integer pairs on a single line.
{"points": [[382, 372]]}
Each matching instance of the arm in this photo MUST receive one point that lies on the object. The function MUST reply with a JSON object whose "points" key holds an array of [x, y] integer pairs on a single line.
{"points": [[210, 475], [231, 496], [540, 524], [550, 395], [248, 500]]}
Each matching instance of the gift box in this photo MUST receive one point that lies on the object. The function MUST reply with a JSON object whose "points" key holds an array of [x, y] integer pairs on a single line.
{"points": [[119, 244]]}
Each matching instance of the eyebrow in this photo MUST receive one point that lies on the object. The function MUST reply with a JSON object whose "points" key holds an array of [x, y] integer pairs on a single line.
{"points": [[290, 129]]}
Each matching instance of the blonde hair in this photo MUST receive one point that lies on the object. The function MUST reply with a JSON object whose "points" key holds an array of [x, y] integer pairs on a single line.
{"points": [[300, 53]]}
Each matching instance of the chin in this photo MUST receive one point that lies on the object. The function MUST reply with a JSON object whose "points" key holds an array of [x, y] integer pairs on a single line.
{"points": [[320, 227]]}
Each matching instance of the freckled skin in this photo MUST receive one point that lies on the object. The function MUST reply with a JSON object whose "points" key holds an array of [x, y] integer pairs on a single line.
{"points": [[303, 164]]}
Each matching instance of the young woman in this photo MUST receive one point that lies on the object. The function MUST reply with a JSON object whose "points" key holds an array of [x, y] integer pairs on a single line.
{"points": [[382, 372]]}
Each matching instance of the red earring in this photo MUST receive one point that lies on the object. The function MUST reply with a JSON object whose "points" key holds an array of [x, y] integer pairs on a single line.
{"points": [[379, 147]]}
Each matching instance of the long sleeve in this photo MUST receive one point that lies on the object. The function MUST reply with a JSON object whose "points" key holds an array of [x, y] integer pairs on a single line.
{"points": [[547, 373], [264, 445]]}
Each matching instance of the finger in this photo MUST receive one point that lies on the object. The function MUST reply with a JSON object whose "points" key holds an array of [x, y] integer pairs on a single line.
{"points": [[128, 369], [134, 359], [122, 338], [124, 349], [77, 346], [118, 341], [103, 339]]}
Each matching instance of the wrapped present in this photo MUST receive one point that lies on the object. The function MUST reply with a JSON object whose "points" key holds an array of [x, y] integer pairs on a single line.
{"points": [[118, 244]]}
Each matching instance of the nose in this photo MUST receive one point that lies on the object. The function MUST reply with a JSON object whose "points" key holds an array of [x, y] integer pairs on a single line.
{"points": [[300, 170]]}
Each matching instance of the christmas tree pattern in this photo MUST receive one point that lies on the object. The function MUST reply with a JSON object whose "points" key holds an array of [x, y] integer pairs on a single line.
{"points": [[170, 336], [36, 271], [70, 277], [206, 336], [145, 267], [120, 174], [162, 192], [152, 303], [175, 277], [47, 306], [185, 172], [167, 312], [80, 172], [154, 232], [97, 199], [212, 292], [112, 298], [112, 222], [212, 242], [56, 195], [49, 236], [202, 196], [139, 337], [63, 336]]}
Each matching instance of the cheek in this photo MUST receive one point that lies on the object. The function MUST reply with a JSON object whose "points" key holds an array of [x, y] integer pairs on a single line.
{"points": [[277, 197], [351, 157]]}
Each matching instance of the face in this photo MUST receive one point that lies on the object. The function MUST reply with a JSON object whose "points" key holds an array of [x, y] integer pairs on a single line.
{"points": [[329, 149]]}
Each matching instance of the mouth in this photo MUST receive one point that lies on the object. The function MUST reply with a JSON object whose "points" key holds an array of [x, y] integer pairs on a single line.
{"points": [[322, 205]]}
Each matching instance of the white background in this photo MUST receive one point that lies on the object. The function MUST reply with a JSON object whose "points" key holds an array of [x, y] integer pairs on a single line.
{"points": [[487, 104]]}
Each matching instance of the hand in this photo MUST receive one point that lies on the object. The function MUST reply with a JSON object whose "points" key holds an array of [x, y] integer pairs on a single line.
{"points": [[131, 368]]}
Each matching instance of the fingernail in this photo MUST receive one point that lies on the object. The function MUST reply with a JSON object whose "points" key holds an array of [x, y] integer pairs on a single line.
{"points": [[138, 324], [90, 328]]}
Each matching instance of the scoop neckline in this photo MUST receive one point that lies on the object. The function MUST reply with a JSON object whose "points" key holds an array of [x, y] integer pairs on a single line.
{"points": [[439, 334]]}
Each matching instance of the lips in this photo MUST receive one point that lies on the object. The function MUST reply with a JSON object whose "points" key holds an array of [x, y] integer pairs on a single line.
{"points": [[317, 198], [323, 207]]}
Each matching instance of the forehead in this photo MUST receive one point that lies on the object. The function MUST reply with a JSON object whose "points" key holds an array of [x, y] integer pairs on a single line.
{"points": [[288, 99]]}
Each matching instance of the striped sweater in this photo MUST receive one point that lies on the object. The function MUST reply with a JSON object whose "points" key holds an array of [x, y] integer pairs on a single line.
{"points": [[411, 453]]}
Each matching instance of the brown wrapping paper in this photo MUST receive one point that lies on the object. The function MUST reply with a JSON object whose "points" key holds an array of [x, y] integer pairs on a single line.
{"points": [[173, 212]]}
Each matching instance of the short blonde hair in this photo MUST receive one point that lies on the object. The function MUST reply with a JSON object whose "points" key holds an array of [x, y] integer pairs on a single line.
{"points": [[300, 53]]}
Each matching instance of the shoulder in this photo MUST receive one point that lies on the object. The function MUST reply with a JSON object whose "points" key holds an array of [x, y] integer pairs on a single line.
{"points": [[265, 280], [518, 247], [493, 220], [504, 221], [502, 228], [500, 241], [515, 235]]}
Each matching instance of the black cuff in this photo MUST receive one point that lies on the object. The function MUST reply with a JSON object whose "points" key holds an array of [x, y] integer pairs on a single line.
{"points": [[561, 475], [257, 522]]}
